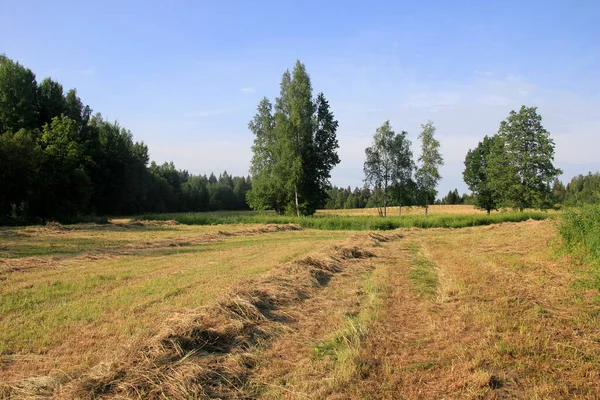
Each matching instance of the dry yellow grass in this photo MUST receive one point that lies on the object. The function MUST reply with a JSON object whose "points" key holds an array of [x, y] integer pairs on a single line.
{"points": [[504, 321], [483, 312], [487, 312], [71, 296]]}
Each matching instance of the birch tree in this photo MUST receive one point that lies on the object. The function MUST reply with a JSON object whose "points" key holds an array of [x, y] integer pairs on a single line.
{"points": [[428, 174]]}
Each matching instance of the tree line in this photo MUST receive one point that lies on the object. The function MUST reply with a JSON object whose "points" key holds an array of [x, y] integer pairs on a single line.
{"points": [[363, 197], [60, 161], [295, 148], [582, 189]]}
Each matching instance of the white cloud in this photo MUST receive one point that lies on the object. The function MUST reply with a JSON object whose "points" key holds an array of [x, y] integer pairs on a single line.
{"points": [[247, 90], [483, 73], [88, 71]]}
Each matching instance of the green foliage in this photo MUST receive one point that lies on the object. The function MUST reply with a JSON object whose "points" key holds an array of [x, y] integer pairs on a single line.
{"points": [[340, 198], [582, 189], [389, 164], [294, 148], [18, 97], [268, 186], [453, 198], [579, 228], [20, 159], [58, 162], [519, 167], [347, 222], [428, 175], [477, 178]]}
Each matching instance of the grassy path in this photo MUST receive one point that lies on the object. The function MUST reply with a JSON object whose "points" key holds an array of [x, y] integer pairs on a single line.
{"points": [[500, 319]]}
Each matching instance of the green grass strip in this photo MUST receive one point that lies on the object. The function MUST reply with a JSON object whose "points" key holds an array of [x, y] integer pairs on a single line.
{"points": [[336, 222], [423, 272]]}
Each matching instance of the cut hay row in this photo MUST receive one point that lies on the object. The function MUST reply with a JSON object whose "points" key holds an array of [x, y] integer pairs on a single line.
{"points": [[207, 352]]}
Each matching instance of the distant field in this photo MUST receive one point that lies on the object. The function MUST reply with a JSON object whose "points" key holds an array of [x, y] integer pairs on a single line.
{"points": [[416, 210], [358, 219]]}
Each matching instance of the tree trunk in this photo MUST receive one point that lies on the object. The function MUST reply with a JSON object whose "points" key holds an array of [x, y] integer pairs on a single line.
{"points": [[488, 212], [427, 207], [400, 210], [296, 197], [384, 206]]}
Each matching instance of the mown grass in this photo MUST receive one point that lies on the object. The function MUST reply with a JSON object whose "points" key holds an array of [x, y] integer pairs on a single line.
{"points": [[338, 222], [423, 272], [68, 312], [343, 346], [504, 307]]}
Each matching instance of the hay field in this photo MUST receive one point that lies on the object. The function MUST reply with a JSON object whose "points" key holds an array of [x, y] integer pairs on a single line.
{"points": [[72, 296], [155, 310], [477, 313]]}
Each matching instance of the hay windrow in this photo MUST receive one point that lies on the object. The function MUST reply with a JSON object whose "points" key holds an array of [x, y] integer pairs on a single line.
{"points": [[11, 265], [208, 352]]}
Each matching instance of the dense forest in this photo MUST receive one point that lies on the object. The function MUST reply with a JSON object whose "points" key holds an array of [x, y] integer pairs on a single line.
{"points": [[58, 160]]}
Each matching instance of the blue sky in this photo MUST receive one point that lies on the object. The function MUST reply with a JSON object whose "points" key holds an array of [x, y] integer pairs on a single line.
{"points": [[186, 77]]}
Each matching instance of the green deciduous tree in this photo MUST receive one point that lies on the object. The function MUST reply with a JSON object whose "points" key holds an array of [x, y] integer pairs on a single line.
{"points": [[294, 148], [477, 178], [51, 101], [18, 97], [520, 165], [268, 188], [20, 158], [428, 175], [388, 164], [582, 189], [66, 185]]}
